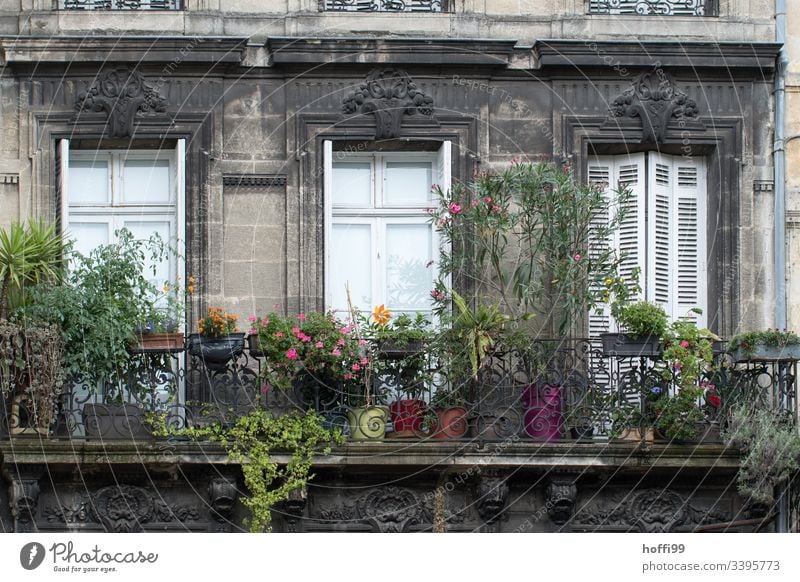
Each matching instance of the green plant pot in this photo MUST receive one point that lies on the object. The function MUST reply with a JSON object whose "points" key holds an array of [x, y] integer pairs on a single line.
{"points": [[367, 423], [624, 345], [765, 353]]}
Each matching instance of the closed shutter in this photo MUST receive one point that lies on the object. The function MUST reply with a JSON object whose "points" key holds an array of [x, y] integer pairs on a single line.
{"points": [[660, 256], [689, 275], [600, 172]]}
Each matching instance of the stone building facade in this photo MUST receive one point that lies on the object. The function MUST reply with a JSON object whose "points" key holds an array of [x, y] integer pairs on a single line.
{"points": [[254, 100]]}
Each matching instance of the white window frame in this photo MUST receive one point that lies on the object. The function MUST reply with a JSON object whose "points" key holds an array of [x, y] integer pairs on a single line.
{"points": [[380, 214]]}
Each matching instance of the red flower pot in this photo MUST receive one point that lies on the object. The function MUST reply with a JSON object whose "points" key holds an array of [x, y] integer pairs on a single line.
{"points": [[407, 417]]}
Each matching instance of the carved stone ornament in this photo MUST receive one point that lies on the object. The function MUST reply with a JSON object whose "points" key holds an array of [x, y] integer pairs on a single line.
{"points": [[655, 99], [23, 499], [121, 509], [222, 494], [388, 94], [386, 509], [560, 495], [121, 93], [648, 511], [491, 492]]}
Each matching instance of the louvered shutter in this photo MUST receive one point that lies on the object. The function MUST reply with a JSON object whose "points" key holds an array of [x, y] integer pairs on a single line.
{"points": [[629, 239], [662, 231], [600, 171], [690, 272]]}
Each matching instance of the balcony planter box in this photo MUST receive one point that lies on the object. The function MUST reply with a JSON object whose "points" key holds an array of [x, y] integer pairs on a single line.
{"points": [[157, 342], [216, 352], [391, 350], [407, 417], [765, 353], [637, 435], [451, 423], [624, 345], [114, 422], [367, 423]]}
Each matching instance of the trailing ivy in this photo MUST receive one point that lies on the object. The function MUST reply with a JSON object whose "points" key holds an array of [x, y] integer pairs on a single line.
{"points": [[253, 439]]}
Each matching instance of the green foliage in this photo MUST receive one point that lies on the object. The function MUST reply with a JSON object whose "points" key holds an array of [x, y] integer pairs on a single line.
{"points": [[748, 341], [476, 330], [253, 439], [643, 319], [104, 299], [522, 237], [400, 351], [677, 416], [30, 254], [770, 448]]}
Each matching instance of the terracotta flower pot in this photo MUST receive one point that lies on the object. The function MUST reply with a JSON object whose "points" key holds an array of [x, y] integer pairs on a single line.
{"points": [[451, 423], [157, 342]]}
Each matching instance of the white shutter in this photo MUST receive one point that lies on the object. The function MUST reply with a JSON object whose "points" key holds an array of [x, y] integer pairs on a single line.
{"points": [[690, 272], [631, 236], [62, 183], [327, 199], [600, 171], [443, 165], [662, 232], [180, 205]]}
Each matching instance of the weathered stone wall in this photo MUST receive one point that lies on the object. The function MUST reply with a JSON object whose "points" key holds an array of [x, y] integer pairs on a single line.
{"points": [[792, 131]]}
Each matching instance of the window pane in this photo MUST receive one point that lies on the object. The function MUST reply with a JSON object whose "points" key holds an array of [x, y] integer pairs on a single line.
{"points": [[88, 181], [144, 229], [408, 183], [88, 235], [351, 264], [352, 183], [146, 182], [408, 278]]}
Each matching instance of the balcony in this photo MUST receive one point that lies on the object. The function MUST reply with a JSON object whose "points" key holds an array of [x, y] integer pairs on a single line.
{"points": [[385, 5], [120, 4], [653, 7], [566, 390]]}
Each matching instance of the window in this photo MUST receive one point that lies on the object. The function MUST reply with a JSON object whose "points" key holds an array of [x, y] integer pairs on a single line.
{"points": [[379, 241], [120, 4], [103, 191], [664, 230], [654, 7], [386, 5]]}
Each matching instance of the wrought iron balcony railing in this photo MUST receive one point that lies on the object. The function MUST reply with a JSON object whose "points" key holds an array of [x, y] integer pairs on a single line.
{"points": [[653, 7], [556, 390], [384, 5], [120, 4]]}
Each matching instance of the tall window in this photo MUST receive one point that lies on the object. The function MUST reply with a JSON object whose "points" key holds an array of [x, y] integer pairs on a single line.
{"points": [[664, 231], [379, 242], [103, 191]]}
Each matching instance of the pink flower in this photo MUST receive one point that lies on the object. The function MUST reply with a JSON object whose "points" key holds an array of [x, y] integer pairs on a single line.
{"points": [[684, 344], [495, 208], [454, 208], [677, 365], [265, 321], [577, 257], [253, 331], [442, 222], [437, 295], [362, 342], [473, 204], [265, 388], [319, 345], [295, 330], [252, 319], [279, 334], [364, 361], [302, 317], [304, 338], [291, 353], [336, 352], [488, 200], [340, 341], [348, 376], [355, 368]]}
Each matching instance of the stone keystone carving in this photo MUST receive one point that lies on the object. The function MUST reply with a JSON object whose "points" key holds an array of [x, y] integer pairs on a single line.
{"points": [[491, 492], [655, 99], [121, 94], [24, 500], [560, 495], [388, 94]]}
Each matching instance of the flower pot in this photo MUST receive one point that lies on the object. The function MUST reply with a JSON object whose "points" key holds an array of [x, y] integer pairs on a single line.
{"points": [[765, 353], [114, 422], [493, 427], [624, 345], [367, 423], [157, 342], [254, 347], [638, 435], [407, 417], [543, 418], [397, 351], [582, 433], [216, 352], [451, 423]]}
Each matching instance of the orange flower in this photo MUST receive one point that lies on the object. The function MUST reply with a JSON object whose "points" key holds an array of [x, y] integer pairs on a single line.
{"points": [[381, 315]]}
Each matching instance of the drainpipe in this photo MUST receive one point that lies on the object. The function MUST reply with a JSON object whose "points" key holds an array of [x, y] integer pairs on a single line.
{"points": [[779, 163]]}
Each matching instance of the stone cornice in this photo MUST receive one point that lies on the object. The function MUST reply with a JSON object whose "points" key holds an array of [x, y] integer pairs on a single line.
{"points": [[647, 54], [122, 49], [391, 51]]}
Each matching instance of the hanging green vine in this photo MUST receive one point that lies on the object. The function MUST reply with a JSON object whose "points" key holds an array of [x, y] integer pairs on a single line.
{"points": [[252, 440]]}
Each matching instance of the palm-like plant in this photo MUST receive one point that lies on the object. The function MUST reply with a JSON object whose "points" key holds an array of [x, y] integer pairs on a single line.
{"points": [[477, 329], [30, 253]]}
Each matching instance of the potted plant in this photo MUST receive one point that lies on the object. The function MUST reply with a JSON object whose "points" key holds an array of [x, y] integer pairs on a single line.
{"points": [[401, 364], [447, 416], [644, 324], [767, 345], [30, 350], [162, 330], [218, 340], [770, 449]]}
